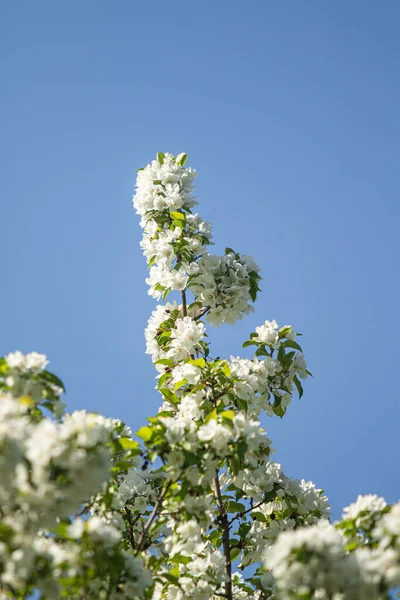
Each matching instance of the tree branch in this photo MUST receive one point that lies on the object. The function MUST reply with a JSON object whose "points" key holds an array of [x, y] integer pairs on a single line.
{"points": [[184, 305], [225, 538], [130, 528], [240, 515], [151, 519], [204, 312]]}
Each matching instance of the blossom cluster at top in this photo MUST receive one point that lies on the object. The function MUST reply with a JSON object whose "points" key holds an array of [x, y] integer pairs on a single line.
{"points": [[175, 242]]}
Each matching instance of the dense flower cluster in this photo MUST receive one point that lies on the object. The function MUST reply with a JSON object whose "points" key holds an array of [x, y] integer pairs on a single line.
{"points": [[226, 285], [175, 241], [311, 563], [327, 561], [49, 468]]}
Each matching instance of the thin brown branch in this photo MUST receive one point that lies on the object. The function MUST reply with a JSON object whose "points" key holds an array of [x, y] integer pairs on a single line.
{"points": [[240, 515], [130, 528], [203, 313], [151, 519], [184, 305], [223, 518]]}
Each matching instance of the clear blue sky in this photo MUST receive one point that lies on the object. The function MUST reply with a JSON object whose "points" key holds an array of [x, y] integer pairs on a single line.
{"points": [[290, 113]]}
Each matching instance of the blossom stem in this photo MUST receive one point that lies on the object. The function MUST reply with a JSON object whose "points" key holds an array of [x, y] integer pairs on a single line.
{"points": [[203, 313], [240, 515], [151, 519], [184, 305], [130, 528], [225, 538]]}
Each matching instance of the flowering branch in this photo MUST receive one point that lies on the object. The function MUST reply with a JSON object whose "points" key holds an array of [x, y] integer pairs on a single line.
{"points": [[203, 458], [151, 519]]}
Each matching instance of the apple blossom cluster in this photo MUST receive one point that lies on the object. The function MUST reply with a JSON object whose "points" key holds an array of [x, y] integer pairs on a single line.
{"points": [[50, 466], [268, 380], [164, 185], [312, 563], [173, 237], [357, 558], [175, 241], [225, 285]]}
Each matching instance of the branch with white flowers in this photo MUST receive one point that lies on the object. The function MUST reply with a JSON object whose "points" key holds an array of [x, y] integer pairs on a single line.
{"points": [[197, 509]]}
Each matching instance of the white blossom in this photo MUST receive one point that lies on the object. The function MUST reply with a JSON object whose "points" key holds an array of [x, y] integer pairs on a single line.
{"points": [[185, 337], [223, 283], [369, 503], [268, 333]]}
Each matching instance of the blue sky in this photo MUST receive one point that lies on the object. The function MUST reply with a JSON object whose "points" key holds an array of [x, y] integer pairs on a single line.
{"points": [[290, 113]]}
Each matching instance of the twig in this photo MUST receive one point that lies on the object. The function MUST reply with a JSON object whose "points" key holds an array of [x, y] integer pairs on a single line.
{"points": [[151, 519], [184, 305], [130, 528], [225, 538], [202, 314], [240, 515]]}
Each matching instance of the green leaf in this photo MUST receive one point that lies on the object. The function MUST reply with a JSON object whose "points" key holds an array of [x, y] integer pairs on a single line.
{"points": [[171, 579], [291, 344], [244, 530], [298, 385], [286, 359], [145, 433], [261, 351], [180, 559], [128, 444], [175, 571], [242, 404], [164, 336], [234, 507], [197, 362], [153, 419], [166, 325], [165, 413], [181, 159], [6, 532], [170, 396], [177, 215], [228, 414], [351, 546], [165, 361], [249, 343], [235, 553], [229, 251], [180, 384], [259, 516], [235, 465], [284, 330], [163, 379], [211, 416], [279, 410], [61, 530], [51, 378], [225, 368], [160, 157], [253, 289]]}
